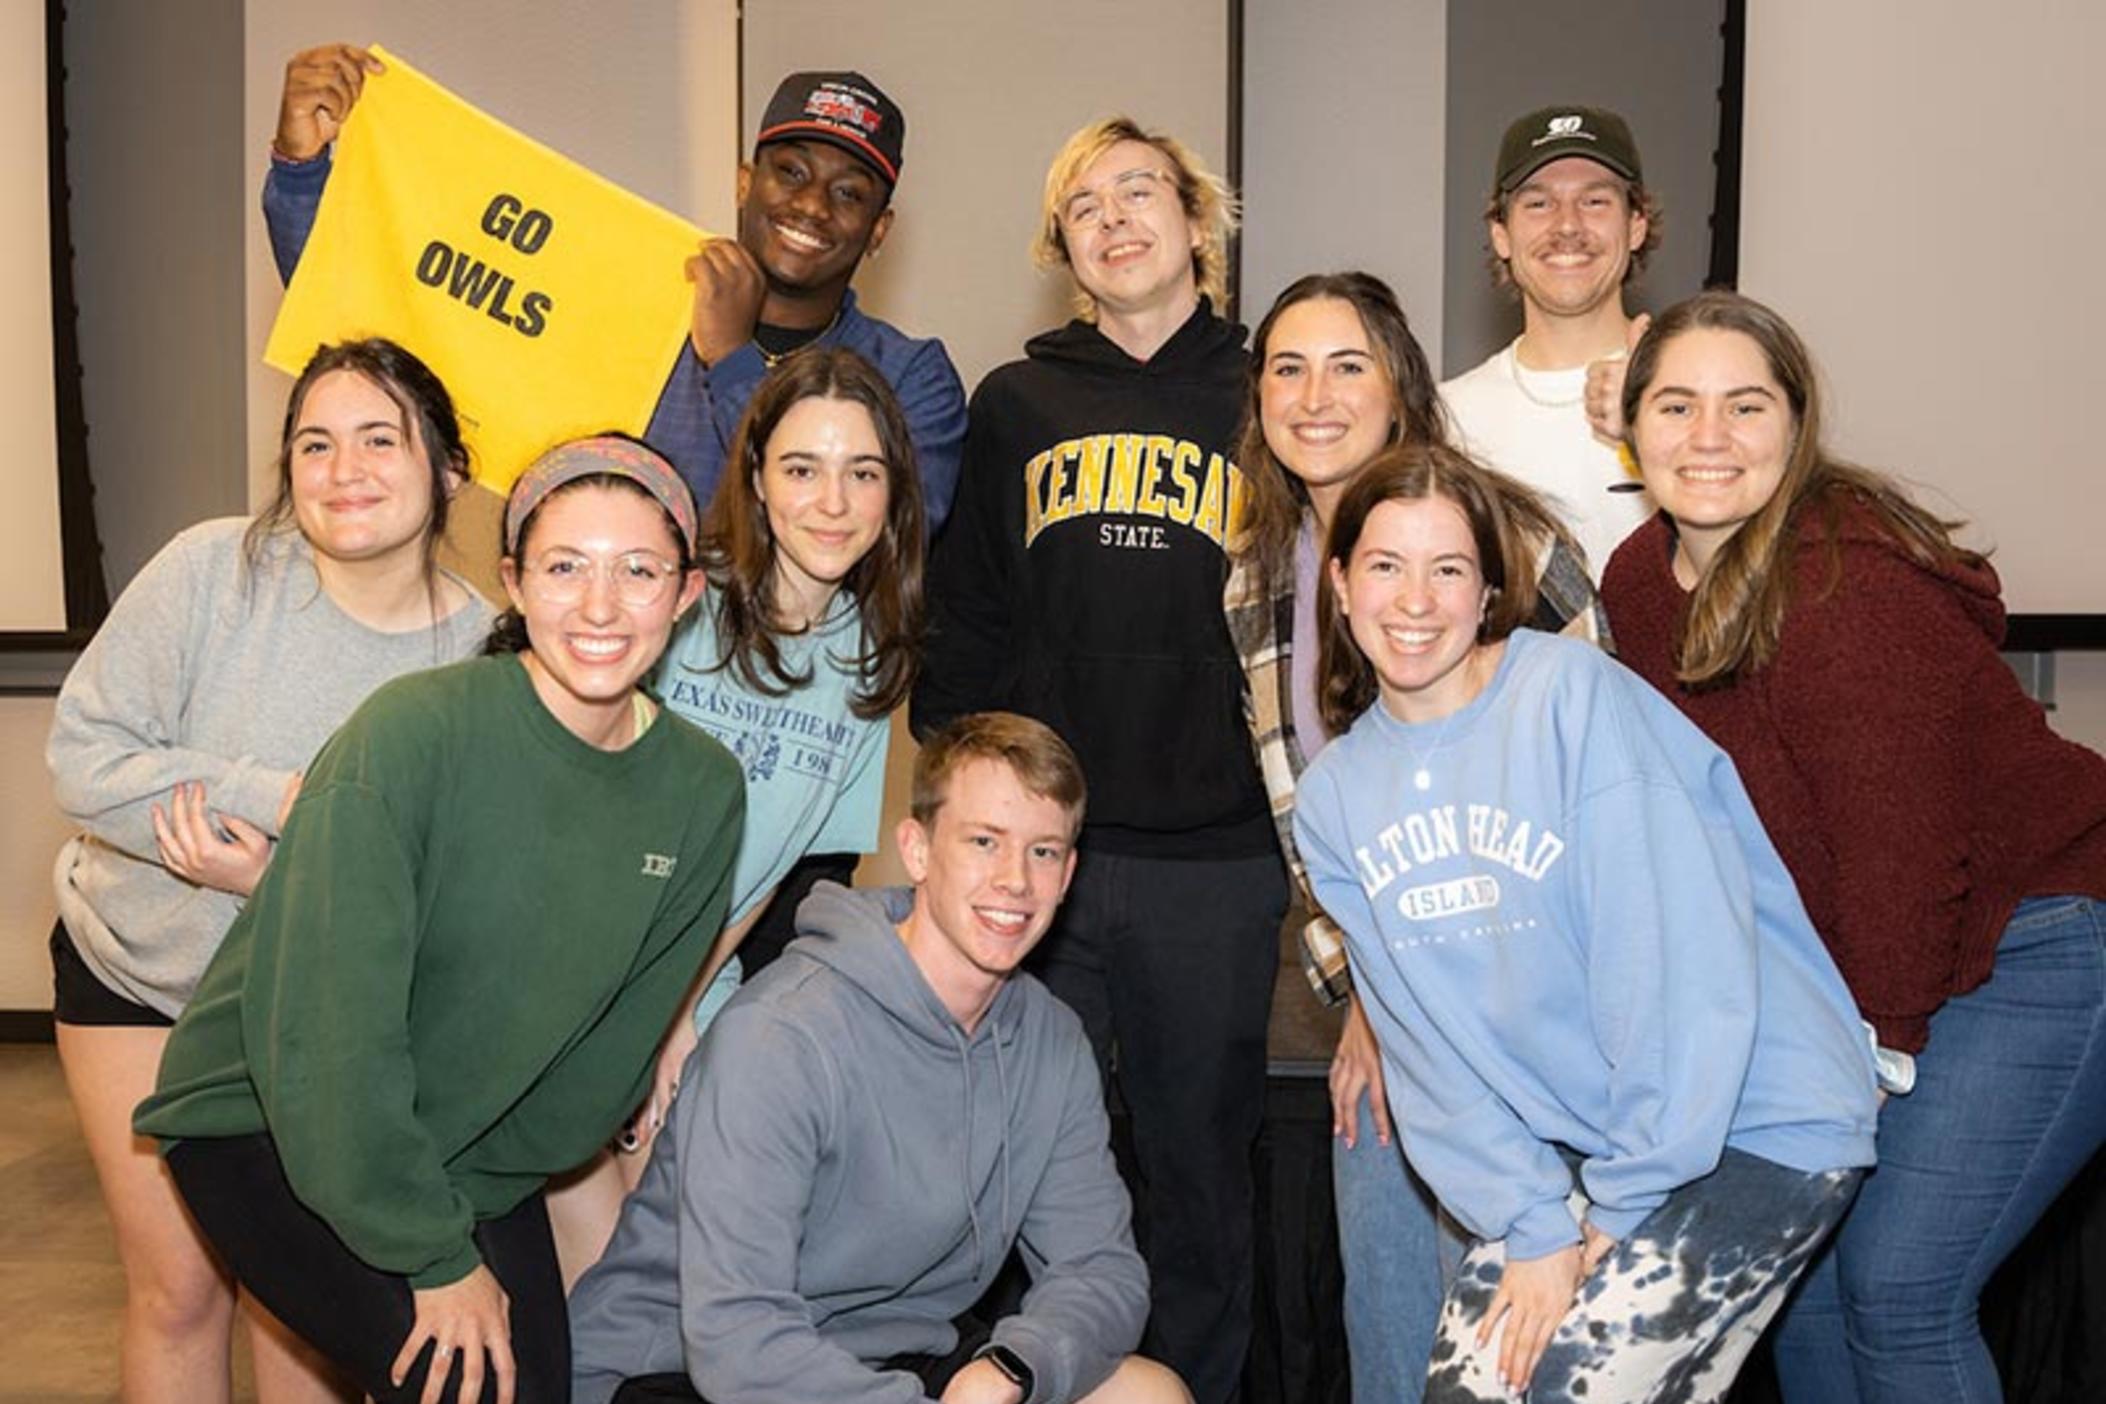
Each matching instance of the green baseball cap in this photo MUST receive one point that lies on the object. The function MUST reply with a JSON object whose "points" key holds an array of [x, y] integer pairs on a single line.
{"points": [[1550, 133]]}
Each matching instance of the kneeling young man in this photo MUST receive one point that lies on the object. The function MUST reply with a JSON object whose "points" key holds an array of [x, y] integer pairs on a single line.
{"points": [[871, 1125]]}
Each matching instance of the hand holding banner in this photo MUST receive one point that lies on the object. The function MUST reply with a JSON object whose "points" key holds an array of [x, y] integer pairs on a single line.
{"points": [[551, 301]]}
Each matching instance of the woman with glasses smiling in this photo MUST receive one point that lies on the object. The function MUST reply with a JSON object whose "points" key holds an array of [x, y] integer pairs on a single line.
{"points": [[496, 883]]}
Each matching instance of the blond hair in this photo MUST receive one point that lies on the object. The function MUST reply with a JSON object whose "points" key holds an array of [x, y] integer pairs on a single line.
{"points": [[1209, 204]]}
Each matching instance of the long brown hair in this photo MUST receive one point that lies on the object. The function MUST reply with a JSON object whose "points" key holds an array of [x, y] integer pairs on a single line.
{"points": [[1737, 611], [738, 547], [1505, 518], [1277, 498]]}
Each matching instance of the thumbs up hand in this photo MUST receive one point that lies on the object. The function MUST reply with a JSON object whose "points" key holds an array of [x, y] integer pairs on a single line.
{"points": [[1604, 397]]}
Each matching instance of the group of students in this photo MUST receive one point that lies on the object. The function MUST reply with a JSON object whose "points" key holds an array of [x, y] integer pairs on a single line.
{"points": [[1769, 957]]}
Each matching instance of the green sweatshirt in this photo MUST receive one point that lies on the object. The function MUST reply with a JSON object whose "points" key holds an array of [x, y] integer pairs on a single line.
{"points": [[452, 979]]}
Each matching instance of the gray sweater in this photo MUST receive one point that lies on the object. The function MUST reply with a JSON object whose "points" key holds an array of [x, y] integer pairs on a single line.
{"points": [[846, 1171], [204, 671]]}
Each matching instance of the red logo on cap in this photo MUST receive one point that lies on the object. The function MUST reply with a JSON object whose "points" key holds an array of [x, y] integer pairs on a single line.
{"points": [[840, 105]]}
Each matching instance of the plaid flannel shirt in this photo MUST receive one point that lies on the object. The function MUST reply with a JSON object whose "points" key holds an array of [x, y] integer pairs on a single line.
{"points": [[1263, 631]]}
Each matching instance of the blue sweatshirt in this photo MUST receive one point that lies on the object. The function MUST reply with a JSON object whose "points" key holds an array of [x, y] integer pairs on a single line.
{"points": [[1578, 935], [700, 406]]}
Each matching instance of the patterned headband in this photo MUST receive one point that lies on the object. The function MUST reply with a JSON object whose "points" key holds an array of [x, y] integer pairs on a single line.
{"points": [[585, 458]]}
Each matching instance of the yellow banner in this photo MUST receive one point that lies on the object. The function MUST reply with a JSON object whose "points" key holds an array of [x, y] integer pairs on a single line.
{"points": [[551, 301]]}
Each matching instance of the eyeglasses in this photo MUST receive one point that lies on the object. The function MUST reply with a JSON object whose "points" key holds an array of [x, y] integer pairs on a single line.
{"points": [[1132, 192], [639, 578]]}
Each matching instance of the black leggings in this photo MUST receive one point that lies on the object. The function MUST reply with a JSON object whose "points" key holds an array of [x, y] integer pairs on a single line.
{"points": [[356, 1315]]}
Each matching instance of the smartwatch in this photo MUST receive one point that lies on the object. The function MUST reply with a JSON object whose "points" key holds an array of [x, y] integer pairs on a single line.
{"points": [[1010, 1364]]}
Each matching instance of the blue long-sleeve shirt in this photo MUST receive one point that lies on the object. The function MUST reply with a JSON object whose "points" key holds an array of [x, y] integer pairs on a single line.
{"points": [[1578, 935], [699, 409]]}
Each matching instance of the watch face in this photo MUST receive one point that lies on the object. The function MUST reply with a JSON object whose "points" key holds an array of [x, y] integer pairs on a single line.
{"points": [[1010, 1364]]}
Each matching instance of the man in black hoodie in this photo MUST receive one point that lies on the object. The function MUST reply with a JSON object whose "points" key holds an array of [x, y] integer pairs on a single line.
{"points": [[1080, 583]]}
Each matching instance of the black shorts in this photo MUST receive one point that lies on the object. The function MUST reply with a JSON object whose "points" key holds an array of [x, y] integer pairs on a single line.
{"points": [[78, 995], [934, 1371]]}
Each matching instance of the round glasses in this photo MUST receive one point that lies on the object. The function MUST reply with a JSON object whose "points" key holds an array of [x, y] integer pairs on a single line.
{"points": [[1132, 192], [638, 578]]}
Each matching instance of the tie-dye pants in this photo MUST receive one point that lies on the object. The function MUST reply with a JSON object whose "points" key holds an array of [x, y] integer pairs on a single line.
{"points": [[1670, 1315]]}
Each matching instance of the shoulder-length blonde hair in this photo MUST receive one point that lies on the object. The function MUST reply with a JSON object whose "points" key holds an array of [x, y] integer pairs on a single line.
{"points": [[1505, 520], [1736, 613], [1210, 205]]}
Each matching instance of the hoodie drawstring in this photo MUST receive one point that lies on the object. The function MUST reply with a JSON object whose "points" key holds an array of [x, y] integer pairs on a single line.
{"points": [[965, 1151], [1002, 1086]]}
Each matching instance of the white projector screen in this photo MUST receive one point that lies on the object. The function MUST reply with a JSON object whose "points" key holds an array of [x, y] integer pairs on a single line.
{"points": [[1922, 200], [32, 583]]}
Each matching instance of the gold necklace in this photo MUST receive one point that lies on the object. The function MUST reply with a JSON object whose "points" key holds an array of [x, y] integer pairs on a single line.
{"points": [[771, 358]]}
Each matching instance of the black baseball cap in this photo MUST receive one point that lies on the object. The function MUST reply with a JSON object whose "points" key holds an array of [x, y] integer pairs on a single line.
{"points": [[1550, 133], [841, 109]]}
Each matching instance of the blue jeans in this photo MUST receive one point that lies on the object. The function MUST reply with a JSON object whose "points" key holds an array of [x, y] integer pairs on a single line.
{"points": [[1392, 1253], [2010, 1103]]}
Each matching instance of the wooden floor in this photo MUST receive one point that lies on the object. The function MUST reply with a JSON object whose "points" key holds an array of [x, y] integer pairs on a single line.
{"points": [[61, 1290]]}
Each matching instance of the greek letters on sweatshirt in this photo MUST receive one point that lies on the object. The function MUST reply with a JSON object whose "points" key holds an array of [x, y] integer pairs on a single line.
{"points": [[1080, 581], [452, 978], [1578, 935]]}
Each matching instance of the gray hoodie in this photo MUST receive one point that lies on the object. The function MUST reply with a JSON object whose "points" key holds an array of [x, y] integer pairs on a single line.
{"points": [[846, 1170]]}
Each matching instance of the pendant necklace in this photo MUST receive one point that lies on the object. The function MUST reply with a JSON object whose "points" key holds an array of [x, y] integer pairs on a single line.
{"points": [[772, 359], [1421, 777]]}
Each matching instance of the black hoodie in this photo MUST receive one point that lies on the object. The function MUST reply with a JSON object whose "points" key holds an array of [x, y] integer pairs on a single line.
{"points": [[1080, 581]]}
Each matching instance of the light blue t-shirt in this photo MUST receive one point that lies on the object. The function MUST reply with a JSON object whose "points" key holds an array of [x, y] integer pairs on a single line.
{"points": [[1569, 929], [815, 772]]}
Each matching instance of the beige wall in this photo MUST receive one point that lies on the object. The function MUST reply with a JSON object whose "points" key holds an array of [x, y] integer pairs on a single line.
{"points": [[1922, 199], [32, 585]]}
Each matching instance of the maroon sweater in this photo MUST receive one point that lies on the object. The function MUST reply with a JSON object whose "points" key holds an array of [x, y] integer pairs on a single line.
{"points": [[1913, 789]]}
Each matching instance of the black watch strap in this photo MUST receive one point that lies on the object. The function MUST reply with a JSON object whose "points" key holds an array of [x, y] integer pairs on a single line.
{"points": [[1010, 1364]]}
